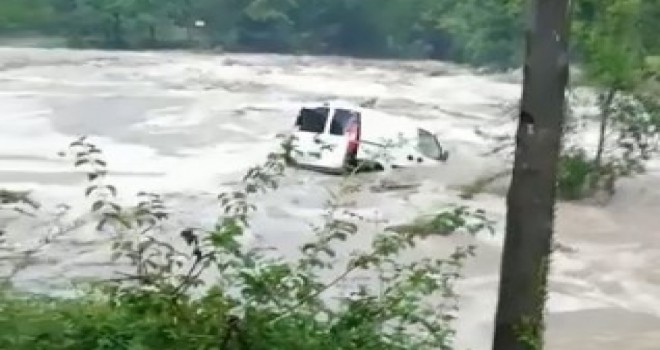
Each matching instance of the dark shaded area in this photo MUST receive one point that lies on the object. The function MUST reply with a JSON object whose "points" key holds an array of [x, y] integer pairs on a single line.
{"points": [[478, 32]]}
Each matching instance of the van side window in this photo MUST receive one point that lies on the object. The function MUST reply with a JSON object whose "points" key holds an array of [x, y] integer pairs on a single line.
{"points": [[312, 119], [341, 120]]}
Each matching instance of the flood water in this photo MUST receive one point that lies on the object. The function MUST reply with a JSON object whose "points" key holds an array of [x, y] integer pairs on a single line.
{"points": [[188, 125]]}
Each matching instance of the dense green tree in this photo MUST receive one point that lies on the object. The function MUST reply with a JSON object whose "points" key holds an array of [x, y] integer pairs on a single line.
{"points": [[484, 32], [24, 14], [614, 43], [473, 32]]}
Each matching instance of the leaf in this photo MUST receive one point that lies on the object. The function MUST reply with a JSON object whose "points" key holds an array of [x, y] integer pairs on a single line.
{"points": [[89, 190], [197, 253], [115, 207], [309, 246], [112, 189], [98, 205], [189, 236], [78, 142], [161, 215], [118, 218], [331, 253], [80, 162], [101, 224]]}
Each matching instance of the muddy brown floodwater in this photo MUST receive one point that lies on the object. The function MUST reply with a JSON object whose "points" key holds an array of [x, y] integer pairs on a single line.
{"points": [[186, 125]]}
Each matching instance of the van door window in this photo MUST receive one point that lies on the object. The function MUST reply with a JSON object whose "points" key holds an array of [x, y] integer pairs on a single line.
{"points": [[312, 119], [428, 145], [341, 120]]}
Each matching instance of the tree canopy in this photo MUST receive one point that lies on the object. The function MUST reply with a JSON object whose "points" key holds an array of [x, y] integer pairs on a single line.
{"points": [[485, 32]]}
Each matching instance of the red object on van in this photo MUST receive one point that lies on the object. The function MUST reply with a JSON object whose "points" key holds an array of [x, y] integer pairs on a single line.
{"points": [[353, 132]]}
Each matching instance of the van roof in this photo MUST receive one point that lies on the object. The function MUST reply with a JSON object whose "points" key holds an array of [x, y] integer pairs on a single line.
{"points": [[333, 104], [380, 120]]}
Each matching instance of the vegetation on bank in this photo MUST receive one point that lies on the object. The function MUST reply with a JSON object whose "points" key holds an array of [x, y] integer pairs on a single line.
{"points": [[253, 299], [619, 58], [484, 32], [479, 32]]}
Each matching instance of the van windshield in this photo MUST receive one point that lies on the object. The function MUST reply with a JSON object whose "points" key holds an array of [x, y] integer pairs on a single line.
{"points": [[428, 145], [312, 119]]}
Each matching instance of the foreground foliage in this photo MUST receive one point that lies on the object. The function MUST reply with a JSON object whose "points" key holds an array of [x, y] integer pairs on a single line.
{"points": [[250, 297]]}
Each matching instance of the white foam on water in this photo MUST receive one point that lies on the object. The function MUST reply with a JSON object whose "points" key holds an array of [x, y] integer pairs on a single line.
{"points": [[169, 117], [559, 302], [257, 95]]}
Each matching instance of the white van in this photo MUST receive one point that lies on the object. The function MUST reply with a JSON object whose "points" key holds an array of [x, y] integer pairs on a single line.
{"points": [[338, 136]]}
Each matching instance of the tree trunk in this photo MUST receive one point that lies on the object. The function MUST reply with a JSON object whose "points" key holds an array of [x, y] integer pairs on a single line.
{"points": [[189, 22], [519, 323], [604, 121], [117, 30], [152, 36]]}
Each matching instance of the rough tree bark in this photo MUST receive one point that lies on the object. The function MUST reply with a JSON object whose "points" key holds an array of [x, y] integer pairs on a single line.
{"points": [[519, 323]]}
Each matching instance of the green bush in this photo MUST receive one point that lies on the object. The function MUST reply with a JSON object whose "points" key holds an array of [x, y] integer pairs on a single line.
{"points": [[630, 140], [576, 173], [256, 300], [137, 320]]}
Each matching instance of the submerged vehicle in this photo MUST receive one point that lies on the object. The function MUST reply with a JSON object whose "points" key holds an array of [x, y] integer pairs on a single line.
{"points": [[337, 137]]}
